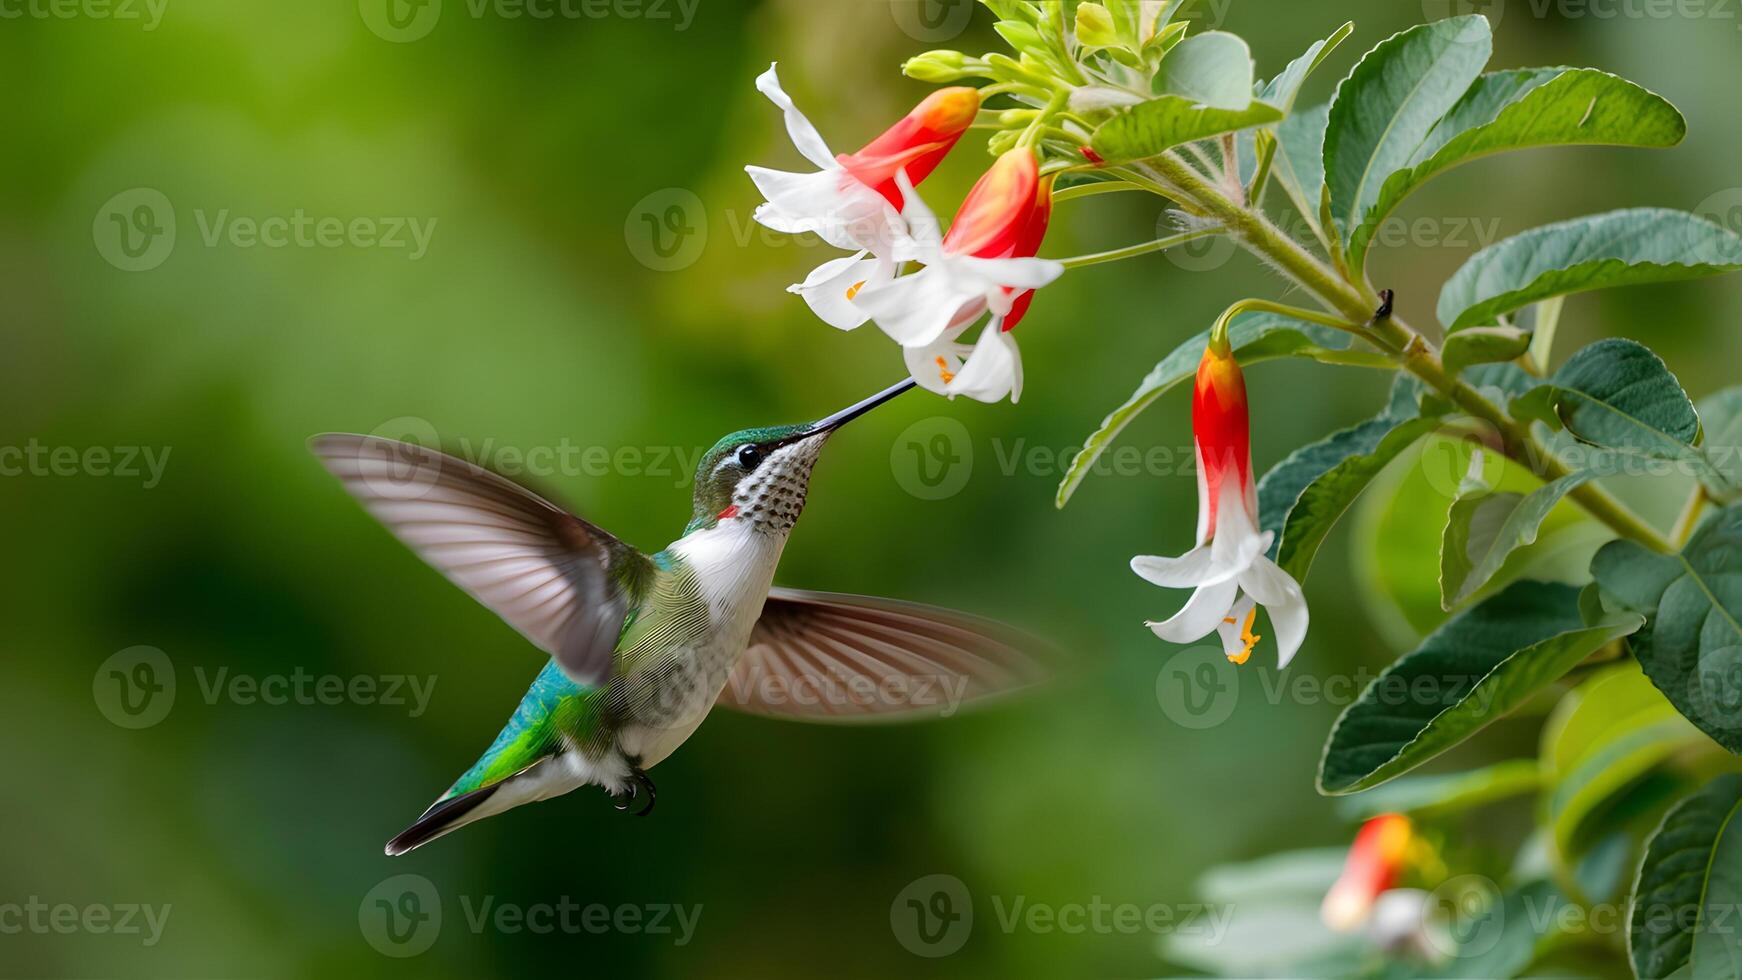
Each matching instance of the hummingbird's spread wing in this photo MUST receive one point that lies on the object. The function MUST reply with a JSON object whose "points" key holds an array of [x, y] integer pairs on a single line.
{"points": [[817, 656], [565, 584]]}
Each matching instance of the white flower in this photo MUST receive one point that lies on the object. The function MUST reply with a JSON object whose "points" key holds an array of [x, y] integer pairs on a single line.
{"points": [[1228, 572]]}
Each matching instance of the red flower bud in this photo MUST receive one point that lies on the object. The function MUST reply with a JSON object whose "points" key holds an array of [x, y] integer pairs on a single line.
{"points": [[917, 143]]}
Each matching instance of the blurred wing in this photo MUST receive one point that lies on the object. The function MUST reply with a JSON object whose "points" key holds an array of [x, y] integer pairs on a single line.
{"points": [[565, 584], [816, 656]]}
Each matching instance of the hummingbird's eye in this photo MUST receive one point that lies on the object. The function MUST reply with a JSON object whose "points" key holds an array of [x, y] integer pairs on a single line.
{"points": [[749, 456]]}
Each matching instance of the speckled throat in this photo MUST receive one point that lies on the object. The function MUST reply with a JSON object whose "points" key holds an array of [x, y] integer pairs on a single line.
{"points": [[773, 496]]}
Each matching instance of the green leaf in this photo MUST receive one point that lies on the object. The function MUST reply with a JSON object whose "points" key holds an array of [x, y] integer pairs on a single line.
{"points": [[1621, 248], [1213, 68], [1387, 106], [1256, 337], [1485, 527], [1166, 121], [1690, 888], [1302, 497], [1285, 87], [1619, 395], [1483, 345], [1300, 160], [1480, 665], [1691, 646], [1446, 793], [1514, 110], [1721, 417], [1609, 734]]}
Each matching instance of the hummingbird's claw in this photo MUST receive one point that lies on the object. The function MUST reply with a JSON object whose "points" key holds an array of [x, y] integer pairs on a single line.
{"points": [[639, 782], [646, 784]]}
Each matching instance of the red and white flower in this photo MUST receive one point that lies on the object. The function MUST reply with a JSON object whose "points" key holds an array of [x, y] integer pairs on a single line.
{"points": [[853, 201], [1228, 571], [985, 263], [1380, 850]]}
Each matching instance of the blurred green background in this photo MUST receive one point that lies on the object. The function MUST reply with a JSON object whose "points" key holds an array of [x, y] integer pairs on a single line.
{"points": [[533, 153]]}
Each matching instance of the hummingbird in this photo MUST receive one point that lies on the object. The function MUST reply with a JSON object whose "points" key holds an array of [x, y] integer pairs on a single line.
{"points": [[642, 646]]}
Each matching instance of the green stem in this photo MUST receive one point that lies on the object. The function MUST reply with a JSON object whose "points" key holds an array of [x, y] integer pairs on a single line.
{"points": [[1259, 235], [1132, 251], [1090, 190]]}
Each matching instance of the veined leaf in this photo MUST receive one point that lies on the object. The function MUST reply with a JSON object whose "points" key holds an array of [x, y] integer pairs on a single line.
{"points": [[1691, 646], [1256, 337], [1485, 527], [1483, 345], [1300, 158], [1479, 666], [1721, 416], [1690, 888], [1213, 68], [1302, 497], [1513, 110], [1387, 106], [1444, 793], [1282, 90], [1619, 395], [1621, 248], [1166, 121]]}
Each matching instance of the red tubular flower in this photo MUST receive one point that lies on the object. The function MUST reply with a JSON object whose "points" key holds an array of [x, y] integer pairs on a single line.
{"points": [[916, 144], [1374, 861]]}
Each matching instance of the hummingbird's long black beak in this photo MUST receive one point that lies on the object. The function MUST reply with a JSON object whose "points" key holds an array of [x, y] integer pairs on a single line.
{"points": [[852, 412]]}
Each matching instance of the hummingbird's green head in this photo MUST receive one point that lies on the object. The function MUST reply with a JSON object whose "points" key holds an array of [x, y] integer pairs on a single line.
{"points": [[761, 476]]}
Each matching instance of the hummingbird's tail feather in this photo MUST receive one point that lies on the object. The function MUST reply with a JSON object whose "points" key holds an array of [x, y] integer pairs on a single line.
{"points": [[446, 815]]}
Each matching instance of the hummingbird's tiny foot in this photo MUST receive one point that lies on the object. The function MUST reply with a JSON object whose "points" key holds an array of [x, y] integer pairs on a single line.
{"points": [[625, 798], [646, 784]]}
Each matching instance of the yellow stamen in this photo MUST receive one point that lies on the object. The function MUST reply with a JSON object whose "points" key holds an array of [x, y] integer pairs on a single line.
{"points": [[944, 371], [853, 290], [1246, 636]]}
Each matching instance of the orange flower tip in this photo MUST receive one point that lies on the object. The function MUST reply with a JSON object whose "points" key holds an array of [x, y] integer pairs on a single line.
{"points": [[949, 110]]}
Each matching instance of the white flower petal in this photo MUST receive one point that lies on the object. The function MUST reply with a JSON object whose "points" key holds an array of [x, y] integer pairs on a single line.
{"points": [[1188, 571], [922, 224], [1207, 607], [931, 363], [804, 135], [916, 309], [1025, 273], [1283, 599], [826, 289], [993, 370]]}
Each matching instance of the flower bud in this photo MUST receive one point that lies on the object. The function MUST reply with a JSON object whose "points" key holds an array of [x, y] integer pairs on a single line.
{"points": [[942, 67], [1095, 27]]}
